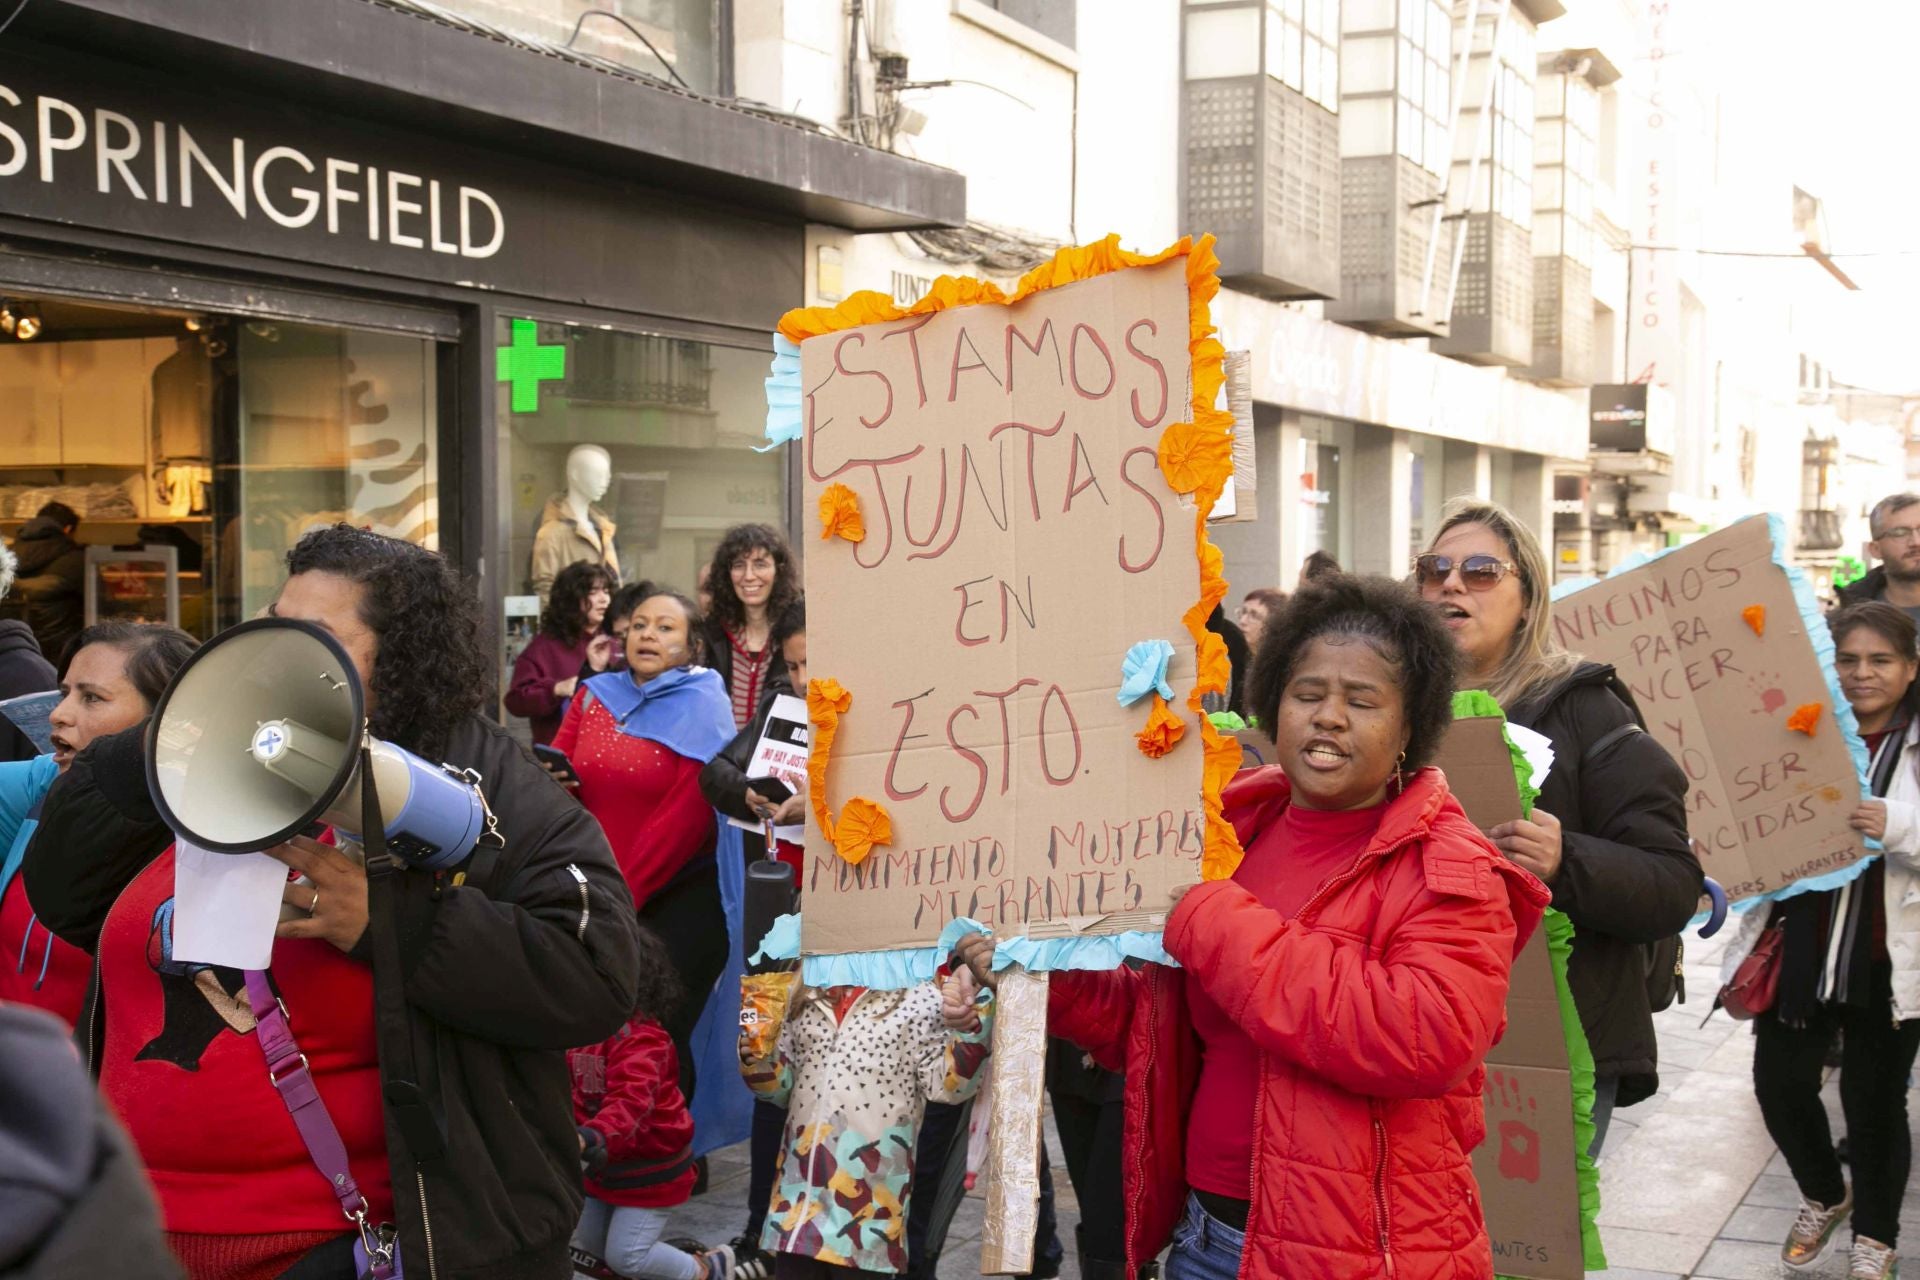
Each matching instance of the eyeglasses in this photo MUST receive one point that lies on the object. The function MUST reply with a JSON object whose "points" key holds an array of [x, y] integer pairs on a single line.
{"points": [[1905, 533], [1477, 573]]}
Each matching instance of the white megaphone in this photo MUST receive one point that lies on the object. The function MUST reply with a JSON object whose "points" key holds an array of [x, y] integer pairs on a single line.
{"points": [[259, 737]]}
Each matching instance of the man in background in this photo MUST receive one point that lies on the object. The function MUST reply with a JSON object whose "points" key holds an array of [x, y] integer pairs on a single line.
{"points": [[1895, 526], [51, 582]]}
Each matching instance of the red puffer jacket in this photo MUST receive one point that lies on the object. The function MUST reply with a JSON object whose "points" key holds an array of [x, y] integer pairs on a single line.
{"points": [[1372, 1011], [627, 1101]]}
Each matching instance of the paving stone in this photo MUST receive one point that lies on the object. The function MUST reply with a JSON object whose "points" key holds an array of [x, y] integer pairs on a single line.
{"points": [[1741, 1260], [1757, 1223], [1659, 1252], [1773, 1191]]}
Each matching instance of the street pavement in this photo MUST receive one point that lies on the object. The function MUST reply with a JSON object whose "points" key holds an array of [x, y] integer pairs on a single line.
{"points": [[1691, 1186]]}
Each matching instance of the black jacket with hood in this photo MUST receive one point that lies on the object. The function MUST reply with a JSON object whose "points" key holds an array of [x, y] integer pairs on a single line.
{"points": [[50, 588], [533, 950], [23, 670], [1872, 587], [1628, 874]]}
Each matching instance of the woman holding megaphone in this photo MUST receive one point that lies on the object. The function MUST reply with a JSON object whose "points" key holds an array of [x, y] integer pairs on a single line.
{"points": [[427, 1111], [115, 674]]}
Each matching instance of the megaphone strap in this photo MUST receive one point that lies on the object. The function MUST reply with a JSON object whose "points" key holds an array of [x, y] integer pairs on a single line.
{"points": [[292, 1078]]}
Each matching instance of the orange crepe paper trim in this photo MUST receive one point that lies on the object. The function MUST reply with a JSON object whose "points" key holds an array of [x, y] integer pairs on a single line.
{"points": [[1805, 719], [826, 703], [1755, 616], [1163, 732], [863, 824], [1212, 468], [840, 514]]}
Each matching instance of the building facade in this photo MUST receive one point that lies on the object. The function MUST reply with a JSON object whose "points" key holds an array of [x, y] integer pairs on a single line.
{"points": [[396, 265]]}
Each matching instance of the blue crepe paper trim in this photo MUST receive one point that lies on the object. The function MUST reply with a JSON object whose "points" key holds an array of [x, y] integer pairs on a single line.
{"points": [[911, 966], [1843, 717], [1144, 671], [783, 394]]}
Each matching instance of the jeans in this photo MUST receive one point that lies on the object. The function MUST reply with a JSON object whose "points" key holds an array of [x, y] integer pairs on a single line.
{"points": [[1876, 1056], [629, 1241], [1204, 1248]]}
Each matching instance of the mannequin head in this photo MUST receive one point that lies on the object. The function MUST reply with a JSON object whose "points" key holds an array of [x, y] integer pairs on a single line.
{"points": [[589, 472]]}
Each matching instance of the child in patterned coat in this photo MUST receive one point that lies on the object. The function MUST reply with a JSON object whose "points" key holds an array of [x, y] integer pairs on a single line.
{"points": [[855, 1069]]}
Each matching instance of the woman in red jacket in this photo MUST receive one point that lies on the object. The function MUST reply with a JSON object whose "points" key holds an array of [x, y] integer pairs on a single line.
{"points": [[1308, 1082], [570, 643]]}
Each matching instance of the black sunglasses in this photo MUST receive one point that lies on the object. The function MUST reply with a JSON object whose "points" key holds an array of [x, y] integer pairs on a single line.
{"points": [[1477, 573]]}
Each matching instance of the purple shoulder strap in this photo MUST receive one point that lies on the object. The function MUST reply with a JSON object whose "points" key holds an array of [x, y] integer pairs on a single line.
{"points": [[287, 1068]]}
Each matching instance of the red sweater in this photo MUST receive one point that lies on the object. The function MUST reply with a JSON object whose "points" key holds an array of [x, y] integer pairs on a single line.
{"points": [[37, 968], [1284, 865], [646, 798], [626, 1094], [182, 1069]]}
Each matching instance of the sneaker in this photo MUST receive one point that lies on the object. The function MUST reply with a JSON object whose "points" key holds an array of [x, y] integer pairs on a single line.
{"points": [[1813, 1233], [1872, 1260], [719, 1263], [750, 1261], [586, 1264]]}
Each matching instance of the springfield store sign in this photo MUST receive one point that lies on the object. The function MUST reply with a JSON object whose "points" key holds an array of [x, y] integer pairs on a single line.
{"points": [[62, 144], [96, 144]]}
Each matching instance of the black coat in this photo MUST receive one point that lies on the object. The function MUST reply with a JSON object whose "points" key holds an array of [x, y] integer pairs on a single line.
{"points": [[503, 973], [1872, 587], [720, 658], [50, 586], [23, 670], [1628, 874]]}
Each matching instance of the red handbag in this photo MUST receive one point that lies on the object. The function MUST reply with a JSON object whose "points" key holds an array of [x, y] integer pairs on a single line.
{"points": [[1755, 984]]}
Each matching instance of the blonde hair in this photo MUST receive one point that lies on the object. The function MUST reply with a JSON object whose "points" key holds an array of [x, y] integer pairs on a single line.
{"points": [[1535, 658]]}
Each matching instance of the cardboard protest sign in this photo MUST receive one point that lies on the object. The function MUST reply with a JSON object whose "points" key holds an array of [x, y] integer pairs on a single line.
{"points": [[1529, 1181], [1010, 494], [1711, 642]]}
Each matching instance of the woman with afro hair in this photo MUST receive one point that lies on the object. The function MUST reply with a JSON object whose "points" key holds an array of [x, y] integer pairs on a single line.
{"points": [[1303, 1092]]}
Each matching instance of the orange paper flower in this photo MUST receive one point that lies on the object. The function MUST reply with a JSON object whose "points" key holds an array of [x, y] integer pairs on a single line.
{"points": [[1190, 456], [840, 514], [1805, 718], [863, 824], [1163, 732], [1755, 616], [826, 703]]}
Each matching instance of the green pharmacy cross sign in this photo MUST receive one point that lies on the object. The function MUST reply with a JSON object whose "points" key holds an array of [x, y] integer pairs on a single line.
{"points": [[526, 364]]}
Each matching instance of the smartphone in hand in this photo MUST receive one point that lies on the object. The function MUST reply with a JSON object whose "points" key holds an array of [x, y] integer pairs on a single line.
{"points": [[557, 764]]}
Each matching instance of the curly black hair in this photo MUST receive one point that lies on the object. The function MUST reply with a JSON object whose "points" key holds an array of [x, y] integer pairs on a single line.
{"points": [[1389, 616], [739, 540], [430, 672], [626, 600], [658, 993], [565, 617]]}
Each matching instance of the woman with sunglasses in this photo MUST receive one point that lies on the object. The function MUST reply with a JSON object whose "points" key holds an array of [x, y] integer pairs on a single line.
{"points": [[1609, 833]]}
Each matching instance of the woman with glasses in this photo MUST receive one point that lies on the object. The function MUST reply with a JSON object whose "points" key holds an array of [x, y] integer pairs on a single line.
{"points": [[752, 579], [1609, 833]]}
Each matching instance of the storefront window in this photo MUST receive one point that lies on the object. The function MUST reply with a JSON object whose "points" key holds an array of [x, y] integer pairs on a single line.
{"points": [[194, 449], [647, 36], [333, 425], [633, 448], [1319, 492]]}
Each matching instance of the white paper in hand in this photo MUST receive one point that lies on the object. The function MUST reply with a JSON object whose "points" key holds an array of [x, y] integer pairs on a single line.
{"points": [[1536, 747], [225, 906]]}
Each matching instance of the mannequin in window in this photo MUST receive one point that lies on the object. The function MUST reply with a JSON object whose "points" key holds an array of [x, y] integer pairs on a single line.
{"points": [[572, 529]]}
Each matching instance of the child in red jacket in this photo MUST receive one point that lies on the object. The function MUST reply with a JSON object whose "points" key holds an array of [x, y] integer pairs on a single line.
{"points": [[636, 1141]]}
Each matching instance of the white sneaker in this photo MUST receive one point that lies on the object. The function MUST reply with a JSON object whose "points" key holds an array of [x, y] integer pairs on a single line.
{"points": [[719, 1263], [1872, 1260]]}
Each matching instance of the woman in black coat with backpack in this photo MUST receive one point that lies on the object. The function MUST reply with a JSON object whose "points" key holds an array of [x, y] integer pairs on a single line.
{"points": [[1609, 831]]}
